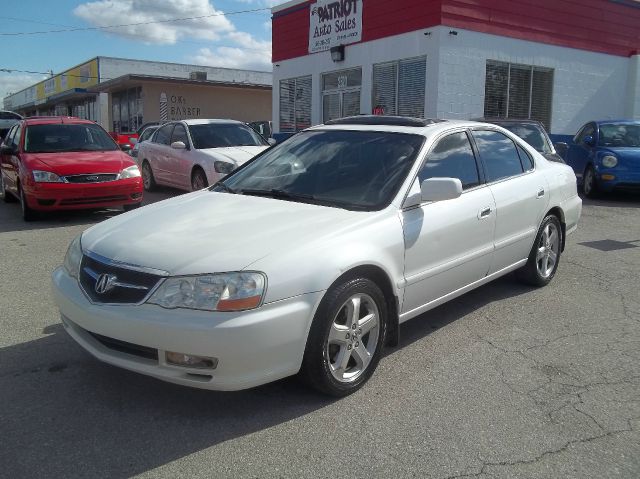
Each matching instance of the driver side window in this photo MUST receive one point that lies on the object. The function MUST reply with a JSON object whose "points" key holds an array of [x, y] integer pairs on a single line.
{"points": [[452, 157], [588, 130]]}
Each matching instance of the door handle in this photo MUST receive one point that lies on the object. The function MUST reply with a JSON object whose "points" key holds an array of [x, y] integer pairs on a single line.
{"points": [[484, 212], [540, 193]]}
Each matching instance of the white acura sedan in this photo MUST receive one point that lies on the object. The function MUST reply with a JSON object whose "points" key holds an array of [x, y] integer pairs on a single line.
{"points": [[193, 154], [307, 258]]}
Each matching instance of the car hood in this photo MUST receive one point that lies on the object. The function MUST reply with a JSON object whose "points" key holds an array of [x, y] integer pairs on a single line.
{"points": [[206, 232], [237, 154], [81, 162]]}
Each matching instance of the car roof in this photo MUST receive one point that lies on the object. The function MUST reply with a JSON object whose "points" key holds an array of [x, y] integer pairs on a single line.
{"points": [[509, 120], [204, 121], [48, 120], [620, 122], [393, 124]]}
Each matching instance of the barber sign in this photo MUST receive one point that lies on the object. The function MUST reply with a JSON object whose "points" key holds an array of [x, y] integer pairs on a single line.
{"points": [[334, 22]]}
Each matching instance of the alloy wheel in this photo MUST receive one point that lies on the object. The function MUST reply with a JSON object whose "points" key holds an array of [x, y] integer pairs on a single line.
{"points": [[548, 250], [353, 338]]}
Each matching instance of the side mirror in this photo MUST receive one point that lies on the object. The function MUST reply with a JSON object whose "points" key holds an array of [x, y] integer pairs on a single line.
{"points": [[440, 189], [126, 147], [561, 148], [588, 140], [178, 145], [271, 141]]}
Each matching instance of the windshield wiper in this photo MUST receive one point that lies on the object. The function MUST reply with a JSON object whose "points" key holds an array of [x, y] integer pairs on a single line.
{"points": [[278, 194], [225, 187]]}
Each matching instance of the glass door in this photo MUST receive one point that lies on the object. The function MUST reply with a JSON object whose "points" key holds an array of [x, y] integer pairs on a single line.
{"points": [[341, 94]]}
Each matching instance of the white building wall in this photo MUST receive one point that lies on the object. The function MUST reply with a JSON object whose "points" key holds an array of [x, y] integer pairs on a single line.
{"points": [[633, 88], [587, 85]]}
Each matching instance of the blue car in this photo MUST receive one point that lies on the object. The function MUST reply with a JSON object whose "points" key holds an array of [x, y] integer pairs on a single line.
{"points": [[605, 156]]}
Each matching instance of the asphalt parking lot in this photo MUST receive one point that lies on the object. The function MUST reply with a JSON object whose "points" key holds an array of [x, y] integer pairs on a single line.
{"points": [[506, 381]]}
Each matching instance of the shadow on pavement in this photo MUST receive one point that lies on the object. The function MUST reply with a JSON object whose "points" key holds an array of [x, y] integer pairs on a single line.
{"points": [[614, 200], [65, 414]]}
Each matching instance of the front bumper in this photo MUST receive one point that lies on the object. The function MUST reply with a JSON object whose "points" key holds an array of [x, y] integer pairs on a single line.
{"points": [[623, 179], [55, 196], [252, 347]]}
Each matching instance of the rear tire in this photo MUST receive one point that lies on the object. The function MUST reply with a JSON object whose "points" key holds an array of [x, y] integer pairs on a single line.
{"points": [[198, 179], [148, 180], [346, 338], [28, 214], [544, 257], [589, 184]]}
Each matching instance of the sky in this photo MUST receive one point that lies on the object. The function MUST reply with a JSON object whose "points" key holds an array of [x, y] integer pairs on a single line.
{"points": [[228, 34]]}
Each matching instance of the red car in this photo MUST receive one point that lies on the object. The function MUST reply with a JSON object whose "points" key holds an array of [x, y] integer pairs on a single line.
{"points": [[53, 163]]}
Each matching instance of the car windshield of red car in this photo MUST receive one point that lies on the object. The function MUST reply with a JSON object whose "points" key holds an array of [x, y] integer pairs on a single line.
{"points": [[221, 135], [54, 138], [612, 134]]}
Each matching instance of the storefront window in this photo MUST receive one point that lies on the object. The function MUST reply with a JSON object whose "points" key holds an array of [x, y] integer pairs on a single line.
{"points": [[518, 91], [295, 104], [126, 109], [341, 94], [399, 87]]}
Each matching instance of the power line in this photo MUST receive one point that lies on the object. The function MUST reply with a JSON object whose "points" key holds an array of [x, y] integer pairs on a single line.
{"points": [[106, 27]]}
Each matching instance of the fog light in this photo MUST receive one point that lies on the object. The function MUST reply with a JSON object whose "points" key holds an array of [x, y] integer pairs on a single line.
{"points": [[191, 361], [608, 177], [135, 196]]}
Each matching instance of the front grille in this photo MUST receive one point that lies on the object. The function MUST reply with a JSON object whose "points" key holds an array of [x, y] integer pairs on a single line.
{"points": [[93, 200], [129, 286], [128, 348], [97, 178]]}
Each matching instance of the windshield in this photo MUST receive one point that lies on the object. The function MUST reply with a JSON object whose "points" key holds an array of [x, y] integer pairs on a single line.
{"points": [[616, 134], [529, 133], [58, 137], [220, 135], [360, 170]]}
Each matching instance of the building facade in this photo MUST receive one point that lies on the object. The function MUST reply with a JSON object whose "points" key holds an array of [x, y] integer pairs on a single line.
{"points": [[121, 94], [562, 62]]}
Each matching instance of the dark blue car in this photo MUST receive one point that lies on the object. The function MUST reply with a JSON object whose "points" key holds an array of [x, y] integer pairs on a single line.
{"points": [[605, 156]]}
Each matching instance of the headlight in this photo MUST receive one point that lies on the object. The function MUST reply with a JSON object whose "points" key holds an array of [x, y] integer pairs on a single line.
{"points": [[130, 172], [73, 258], [46, 177], [224, 167], [609, 161], [212, 292]]}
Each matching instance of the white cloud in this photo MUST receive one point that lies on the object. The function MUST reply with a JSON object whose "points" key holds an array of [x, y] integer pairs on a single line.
{"points": [[116, 12], [263, 3], [14, 82], [246, 51]]}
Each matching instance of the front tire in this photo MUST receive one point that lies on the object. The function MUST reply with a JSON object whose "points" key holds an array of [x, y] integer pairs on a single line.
{"points": [[198, 179], [544, 257], [28, 214], [346, 338], [6, 196], [589, 184]]}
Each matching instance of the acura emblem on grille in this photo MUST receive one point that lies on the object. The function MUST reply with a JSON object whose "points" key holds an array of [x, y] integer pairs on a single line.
{"points": [[93, 178], [105, 283]]}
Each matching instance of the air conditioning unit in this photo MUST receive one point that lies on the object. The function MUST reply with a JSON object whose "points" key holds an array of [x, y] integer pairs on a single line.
{"points": [[202, 76]]}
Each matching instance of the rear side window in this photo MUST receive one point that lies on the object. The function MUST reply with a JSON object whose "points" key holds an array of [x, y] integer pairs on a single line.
{"points": [[163, 135], [525, 159], [452, 157], [499, 154]]}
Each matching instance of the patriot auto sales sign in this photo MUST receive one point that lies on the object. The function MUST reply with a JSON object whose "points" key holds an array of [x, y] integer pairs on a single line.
{"points": [[334, 22]]}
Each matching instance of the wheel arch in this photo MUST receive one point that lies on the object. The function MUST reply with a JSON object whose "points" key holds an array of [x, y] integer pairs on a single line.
{"points": [[380, 277]]}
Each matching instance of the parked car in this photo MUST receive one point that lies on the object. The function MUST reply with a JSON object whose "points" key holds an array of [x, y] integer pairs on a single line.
{"points": [[144, 136], [605, 156], [308, 257], [147, 125], [263, 127], [7, 120], [192, 154], [54, 163], [531, 131]]}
